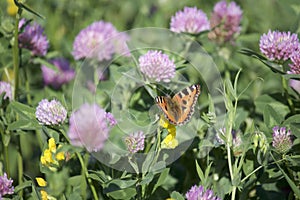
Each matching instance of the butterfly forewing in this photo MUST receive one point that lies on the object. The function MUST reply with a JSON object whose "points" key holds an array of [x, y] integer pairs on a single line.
{"points": [[180, 108]]}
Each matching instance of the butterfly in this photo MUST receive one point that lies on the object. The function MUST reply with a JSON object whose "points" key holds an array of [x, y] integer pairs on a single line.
{"points": [[180, 108]]}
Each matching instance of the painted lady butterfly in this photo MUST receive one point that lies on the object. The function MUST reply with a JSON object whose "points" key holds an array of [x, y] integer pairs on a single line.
{"points": [[179, 109]]}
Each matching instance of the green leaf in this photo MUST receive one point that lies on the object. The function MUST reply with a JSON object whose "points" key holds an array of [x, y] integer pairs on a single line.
{"points": [[273, 66], [200, 172], [147, 179], [161, 179], [262, 101], [47, 64], [292, 76], [98, 176], [271, 117], [25, 7], [121, 184], [177, 196], [125, 194], [148, 161], [24, 125], [295, 189], [23, 185], [294, 123], [23, 110]]}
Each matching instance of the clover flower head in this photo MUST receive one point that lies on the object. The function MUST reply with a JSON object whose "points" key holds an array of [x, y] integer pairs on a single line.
{"points": [[6, 87], [236, 140], [225, 21], [276, 45], [189, 20], [295, 84], [90, 126], [56, 78], [100, 41], [135, 141], [196, 193], [282, 141], [295, 58], [33, 38], [120, 42], [157, 66], [50, 112], [6, 186]]}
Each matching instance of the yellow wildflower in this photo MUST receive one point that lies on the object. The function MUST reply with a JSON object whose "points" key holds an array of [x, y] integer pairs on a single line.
{"points": [[44, 195], [11, 9], [47, 157], [170, 141], [52, 145], [41, 182], [60, 156], [50, 157], [163, 122]]}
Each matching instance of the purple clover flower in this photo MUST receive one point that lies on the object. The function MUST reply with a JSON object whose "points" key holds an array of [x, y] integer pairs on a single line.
{"points": [[135, 142], [6, 186], [189, 20], [33, 38], [100, 40], [295, 84], [295, 58], [196, 193], [6, 87], [50, 113], [64, 73], [236, 140], [282, 141], [157, 66], [90, 126], [225, 21], [120, 44], [277, 45]]}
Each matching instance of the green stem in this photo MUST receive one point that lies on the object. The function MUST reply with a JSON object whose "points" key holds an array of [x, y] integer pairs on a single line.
{"points": [[244, 179], [27, 85], [86, 173], [6, 158], [20, 172], [289, 100], [84, 169], [15, 49]]}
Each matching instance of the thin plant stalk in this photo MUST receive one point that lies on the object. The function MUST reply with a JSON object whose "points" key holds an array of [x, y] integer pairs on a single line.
{"points": [[16, 61], [84, 169], [288, 98]]}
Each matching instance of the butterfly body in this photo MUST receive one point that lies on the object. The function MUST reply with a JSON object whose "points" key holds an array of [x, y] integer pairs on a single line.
{"points": [[179, 109]]}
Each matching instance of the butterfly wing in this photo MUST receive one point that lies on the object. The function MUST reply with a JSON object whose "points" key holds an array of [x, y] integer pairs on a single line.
{"points": [[186, 99], [179, 109], [170, 109]]}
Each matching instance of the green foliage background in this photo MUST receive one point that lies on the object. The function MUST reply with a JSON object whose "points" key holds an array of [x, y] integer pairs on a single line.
{"points": [[63, 21]]}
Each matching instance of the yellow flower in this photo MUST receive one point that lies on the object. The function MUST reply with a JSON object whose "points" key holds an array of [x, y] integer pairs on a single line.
{"points": [[60, 156], [163, 122], [44, 195], [52, 145], [47, 157], [170, 141], [11, 9], [41, 182], [170, 199]]}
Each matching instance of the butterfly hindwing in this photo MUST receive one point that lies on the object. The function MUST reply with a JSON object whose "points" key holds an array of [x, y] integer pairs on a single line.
{"points": [[169, 108], [180, 108]]}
